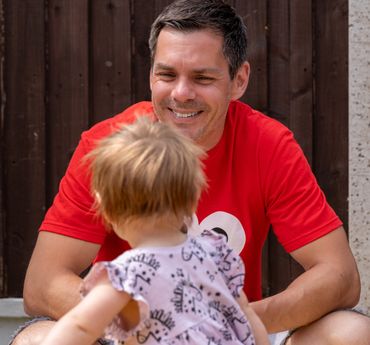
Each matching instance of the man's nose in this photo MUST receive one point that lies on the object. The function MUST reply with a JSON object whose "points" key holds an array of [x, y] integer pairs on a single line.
{"points": [[183, 91]]}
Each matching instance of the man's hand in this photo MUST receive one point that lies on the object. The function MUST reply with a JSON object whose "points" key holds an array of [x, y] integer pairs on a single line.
{"points": [[330, 281]]}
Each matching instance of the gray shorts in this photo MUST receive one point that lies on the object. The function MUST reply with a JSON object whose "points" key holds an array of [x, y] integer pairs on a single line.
{"points": [[275, 339], [45, 318]]}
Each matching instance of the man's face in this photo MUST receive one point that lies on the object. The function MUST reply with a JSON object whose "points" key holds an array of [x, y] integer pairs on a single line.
{"points": [[191, 85]]}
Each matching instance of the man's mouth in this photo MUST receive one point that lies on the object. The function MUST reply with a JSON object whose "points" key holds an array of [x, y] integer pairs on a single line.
{"points": [[185, 115]]}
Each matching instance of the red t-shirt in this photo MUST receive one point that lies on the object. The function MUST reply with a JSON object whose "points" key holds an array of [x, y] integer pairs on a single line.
{"points": [[257, 175]]}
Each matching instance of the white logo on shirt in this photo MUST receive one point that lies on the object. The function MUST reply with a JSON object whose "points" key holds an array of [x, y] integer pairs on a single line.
{"points": [[225, 221]]}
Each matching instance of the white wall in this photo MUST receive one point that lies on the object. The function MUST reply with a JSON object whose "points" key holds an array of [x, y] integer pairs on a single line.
{"points": [[359, 140]]}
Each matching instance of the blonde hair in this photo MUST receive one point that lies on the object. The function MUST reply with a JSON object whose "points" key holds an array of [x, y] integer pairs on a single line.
{"points": [[146, 169]]}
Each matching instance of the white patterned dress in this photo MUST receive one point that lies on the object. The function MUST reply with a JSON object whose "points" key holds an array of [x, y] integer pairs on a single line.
{"points": [[186, 293]]}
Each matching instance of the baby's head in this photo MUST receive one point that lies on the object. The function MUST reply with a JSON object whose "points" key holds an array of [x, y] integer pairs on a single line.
{"points": [[146, 169]]}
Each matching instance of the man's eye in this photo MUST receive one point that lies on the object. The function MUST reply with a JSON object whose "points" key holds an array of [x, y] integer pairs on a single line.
{"points": [[165, 75], [204, 79]]}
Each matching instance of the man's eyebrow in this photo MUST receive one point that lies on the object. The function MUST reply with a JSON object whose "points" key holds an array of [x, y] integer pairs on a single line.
{"points": [[205, 70], [163, 66]]}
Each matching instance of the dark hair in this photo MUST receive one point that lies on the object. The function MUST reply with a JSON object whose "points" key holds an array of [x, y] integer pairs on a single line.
{"points": [[190, 15]]}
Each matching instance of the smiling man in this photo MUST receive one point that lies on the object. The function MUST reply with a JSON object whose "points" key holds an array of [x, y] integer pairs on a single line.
{"points": [[257, 174], [191, 85]]}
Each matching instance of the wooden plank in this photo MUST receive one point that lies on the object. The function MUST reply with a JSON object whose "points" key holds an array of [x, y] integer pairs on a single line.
{"points": [[301, 74], [68, 85], [24, 119], [254, 14], [290, 72], [141, 22], [290, 97], [331, 102], [110, 37], [279, 108], [278, 45]]}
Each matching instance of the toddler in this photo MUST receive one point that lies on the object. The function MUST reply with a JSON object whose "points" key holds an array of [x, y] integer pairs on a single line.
{"points": [[171, 287]]}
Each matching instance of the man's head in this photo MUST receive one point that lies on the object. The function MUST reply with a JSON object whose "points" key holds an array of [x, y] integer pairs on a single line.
{"points": [[214, 15], [198, 67], [146, 169]]}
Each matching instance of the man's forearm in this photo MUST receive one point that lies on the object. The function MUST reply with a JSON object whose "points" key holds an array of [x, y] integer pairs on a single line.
{"points": [[51, 287], [312, 295]]}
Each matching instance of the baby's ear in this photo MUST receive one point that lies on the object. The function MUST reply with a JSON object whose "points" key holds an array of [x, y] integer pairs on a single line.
{"points": [[97, 197]]}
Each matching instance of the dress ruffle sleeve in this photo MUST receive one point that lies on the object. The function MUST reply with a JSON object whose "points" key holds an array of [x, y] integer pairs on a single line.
{"points": [[121, 281]]}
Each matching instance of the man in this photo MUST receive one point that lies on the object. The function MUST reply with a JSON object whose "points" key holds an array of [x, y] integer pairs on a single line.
{"points": [[257, 177]]}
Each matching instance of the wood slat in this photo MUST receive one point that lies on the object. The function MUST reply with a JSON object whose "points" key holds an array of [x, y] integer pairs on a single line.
{"points": [[68, 85], [254, 14], [331, 102], [110, 53], [141, 21], [279, 60], [290, 101], [24, 140], [279, 108], [301, 76]]}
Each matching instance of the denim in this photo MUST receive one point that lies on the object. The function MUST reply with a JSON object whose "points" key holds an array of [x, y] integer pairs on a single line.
{"points": [[45, 318]]}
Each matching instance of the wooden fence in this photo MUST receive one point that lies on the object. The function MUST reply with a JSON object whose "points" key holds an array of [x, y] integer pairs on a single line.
{"points": [[66, 64]]}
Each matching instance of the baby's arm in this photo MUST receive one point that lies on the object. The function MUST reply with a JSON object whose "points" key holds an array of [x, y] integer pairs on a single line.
{"points": [[258, 329], [86, 322]]}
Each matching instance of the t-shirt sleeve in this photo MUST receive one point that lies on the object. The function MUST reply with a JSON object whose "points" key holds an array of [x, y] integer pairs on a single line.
{"points": [[229, 263], [72, 213], [121, 280], [295, 204]]}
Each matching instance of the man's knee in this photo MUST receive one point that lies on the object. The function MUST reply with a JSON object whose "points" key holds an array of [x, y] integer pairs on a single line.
{"points": [[352, 328], [33, 334], [337, 328]]}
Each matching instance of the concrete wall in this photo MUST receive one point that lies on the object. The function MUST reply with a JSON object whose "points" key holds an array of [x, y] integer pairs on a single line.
{"points": [[359, 140], [11, 316]]}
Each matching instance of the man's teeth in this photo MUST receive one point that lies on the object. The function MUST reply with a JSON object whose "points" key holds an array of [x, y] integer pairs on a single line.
{"points": [[184, 115]]}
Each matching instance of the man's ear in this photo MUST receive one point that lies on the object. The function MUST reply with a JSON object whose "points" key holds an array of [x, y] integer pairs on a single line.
{"points": [[151, 78], [240, 81]]}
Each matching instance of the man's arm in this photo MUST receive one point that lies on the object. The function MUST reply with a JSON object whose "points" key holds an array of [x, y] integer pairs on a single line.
{"points": [[52, 281], [330, 281]]}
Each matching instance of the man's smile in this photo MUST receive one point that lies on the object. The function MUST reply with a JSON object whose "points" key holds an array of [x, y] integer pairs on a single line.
{"points": [[184, 115]]}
